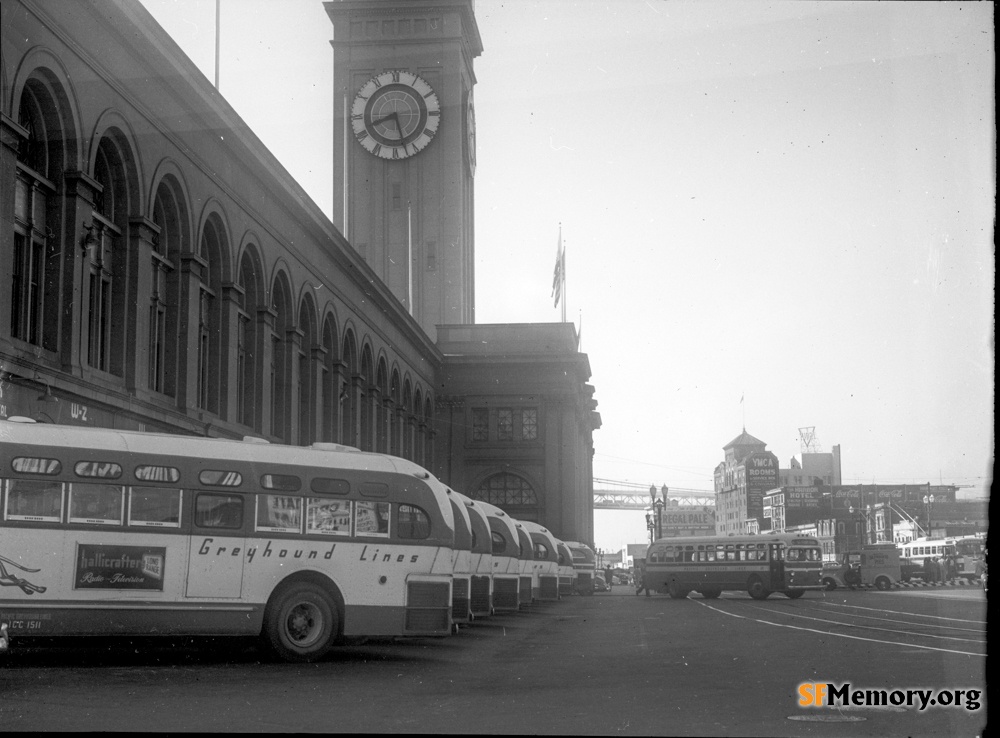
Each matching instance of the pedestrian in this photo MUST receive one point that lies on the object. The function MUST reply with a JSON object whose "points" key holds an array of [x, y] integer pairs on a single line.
{"points": [[607, 577], [640, 577], [950, 568], [928, 569]]}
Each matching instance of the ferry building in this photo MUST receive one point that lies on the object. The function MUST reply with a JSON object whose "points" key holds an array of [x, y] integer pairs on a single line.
{"points": [[162, 271]]}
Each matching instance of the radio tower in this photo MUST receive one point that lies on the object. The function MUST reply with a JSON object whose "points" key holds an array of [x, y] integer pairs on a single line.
{"points": [[809, 442]]}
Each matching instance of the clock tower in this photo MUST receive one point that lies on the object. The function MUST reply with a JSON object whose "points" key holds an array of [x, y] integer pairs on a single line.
{"points": [[404, 148]]}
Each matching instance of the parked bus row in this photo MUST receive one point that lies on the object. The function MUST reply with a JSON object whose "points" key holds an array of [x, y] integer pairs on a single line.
{"points": [[110, 532]]}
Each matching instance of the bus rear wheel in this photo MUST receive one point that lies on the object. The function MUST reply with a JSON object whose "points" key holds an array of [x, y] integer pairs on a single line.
{"points": [[793, 594], [301, 622], [883, 583], [711, 593], [757, 590], [676, 591]]}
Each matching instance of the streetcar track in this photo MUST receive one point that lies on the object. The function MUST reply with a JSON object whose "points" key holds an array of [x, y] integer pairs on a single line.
{"points": [[886, 630], [906, 622], [913, 614], [834, 634]]}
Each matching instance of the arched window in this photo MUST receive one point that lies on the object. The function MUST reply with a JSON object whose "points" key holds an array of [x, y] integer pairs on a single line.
{"points": [[510, 492], [164, 323], [247, 345], [209, 362], [34, 297], [106, 281], [281, 357]]}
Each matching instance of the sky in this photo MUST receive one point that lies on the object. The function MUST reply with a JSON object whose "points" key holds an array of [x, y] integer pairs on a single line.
{"points": [[776, 215]]}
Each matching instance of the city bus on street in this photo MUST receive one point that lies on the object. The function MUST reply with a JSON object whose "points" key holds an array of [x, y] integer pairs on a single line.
{"points": [[759, 564], [967, 550], [113, 532], [585, 565], [506, 558], [545, 565], [481, 597]]}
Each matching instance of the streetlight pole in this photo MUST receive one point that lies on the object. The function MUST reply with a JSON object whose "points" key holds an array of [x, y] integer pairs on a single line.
{"points": [[929, 506]]}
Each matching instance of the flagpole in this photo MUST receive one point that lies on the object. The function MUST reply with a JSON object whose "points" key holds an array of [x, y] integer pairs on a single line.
{"points": [[563, 272]]}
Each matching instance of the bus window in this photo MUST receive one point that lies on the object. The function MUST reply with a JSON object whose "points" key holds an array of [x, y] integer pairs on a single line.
{"points": [[371, 519], [710, 554], [218, 511], [219, 478], [499, 543], [34, 501], [328, 517], [414, 523], [279, 513], [330, 486], [541, 552], [154, 507], [281, 482], [100, 504]]}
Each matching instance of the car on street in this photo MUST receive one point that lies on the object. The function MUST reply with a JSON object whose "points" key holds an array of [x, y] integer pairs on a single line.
{"points": [[599, 584]]}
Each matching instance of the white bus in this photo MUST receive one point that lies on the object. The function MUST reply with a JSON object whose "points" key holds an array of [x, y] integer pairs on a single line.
{"points": [[585, 565], [481, 587], [967, 550], [545, 563], [124, 533], [528, 579], [761, 564], [567, 573], [462, 564], [506, 558]]}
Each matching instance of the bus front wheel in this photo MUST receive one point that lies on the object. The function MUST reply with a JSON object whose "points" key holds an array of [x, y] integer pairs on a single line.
{"points": [[711, 594], [883, 583], [676, 591], [793, 594], [757, 590], [301, 622]]}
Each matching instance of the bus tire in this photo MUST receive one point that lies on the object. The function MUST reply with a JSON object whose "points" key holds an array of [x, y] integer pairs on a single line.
{"points": [[301, 622], [757, 590], [793, 594], [829, 583], [676, 591], [883, 583], [711, 594]]}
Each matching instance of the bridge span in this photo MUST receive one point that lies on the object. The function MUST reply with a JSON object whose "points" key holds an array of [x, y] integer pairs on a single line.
{"points": [[615, 495]]}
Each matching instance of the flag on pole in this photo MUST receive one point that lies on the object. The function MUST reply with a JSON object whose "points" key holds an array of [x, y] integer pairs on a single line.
{"points": [[559, 275]]}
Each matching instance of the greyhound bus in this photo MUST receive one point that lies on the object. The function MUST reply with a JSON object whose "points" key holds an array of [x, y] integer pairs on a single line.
{"points": [[481, 595], [585, 564], [567, 574], [116, 532], [461, 562], [760, 564], [545, 564], [506, 558]]}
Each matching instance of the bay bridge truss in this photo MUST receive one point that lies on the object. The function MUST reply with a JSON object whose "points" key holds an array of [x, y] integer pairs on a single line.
{"points": [[612, 495]]}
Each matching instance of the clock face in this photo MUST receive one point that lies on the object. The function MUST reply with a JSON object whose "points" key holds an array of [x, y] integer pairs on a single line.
{"points": [[395, 115], [470, 134]]}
